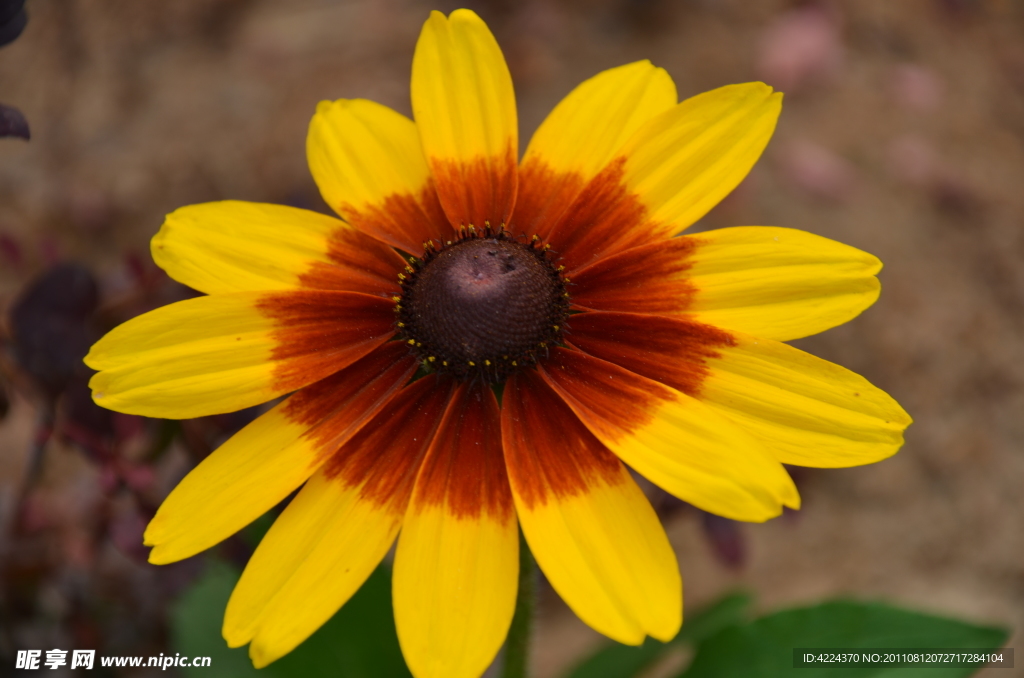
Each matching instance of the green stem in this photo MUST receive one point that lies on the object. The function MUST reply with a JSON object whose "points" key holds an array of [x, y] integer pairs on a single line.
{"points": [[517, 645]]}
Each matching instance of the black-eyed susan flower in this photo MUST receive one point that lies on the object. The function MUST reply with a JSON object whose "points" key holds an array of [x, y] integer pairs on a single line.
{"points": [[481, 343]]}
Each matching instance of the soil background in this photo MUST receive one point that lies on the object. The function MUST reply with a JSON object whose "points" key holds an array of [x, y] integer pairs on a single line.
{"points": [[902, 133]]}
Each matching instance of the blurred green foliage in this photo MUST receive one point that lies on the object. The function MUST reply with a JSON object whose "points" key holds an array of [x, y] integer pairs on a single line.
{"points": [[358, 642], [728, 646]]}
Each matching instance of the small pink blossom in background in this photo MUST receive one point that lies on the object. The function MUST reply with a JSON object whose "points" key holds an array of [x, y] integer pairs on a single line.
{"points": [[800, 48], [917, 88], [913, 159], [817, 171]]}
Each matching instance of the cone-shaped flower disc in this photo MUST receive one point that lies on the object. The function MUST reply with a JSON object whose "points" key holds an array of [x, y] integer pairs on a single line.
{"points": [[456, 273]]}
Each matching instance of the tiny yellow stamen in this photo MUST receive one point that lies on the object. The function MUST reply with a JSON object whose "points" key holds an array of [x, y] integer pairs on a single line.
{"points": [[472, 364], [487, 362], [411, 342]]}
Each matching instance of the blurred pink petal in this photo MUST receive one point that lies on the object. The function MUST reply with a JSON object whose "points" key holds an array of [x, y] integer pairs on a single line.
{"points": [[726, 539], [817, 170], [917, 88], [913, 159], [802, 47]]}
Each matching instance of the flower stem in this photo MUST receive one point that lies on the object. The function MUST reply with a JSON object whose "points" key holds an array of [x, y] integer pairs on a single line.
{"points": [[517, 645]]}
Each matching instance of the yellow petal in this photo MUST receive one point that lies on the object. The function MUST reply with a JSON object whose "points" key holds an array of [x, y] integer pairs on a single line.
{"points": [[778, 283], [314, 558], [243, 479], [369, 165], [805, 410], [226, 352], [592, 530], [457, 564], [234, 246], [669, 174], [337, 529], [581, 135], [465, 110], [676, 441], [683, 162], [261, 464]]}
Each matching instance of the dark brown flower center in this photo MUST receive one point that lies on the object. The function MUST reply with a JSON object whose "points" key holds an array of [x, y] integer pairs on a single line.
{"points": [[482, 306]]}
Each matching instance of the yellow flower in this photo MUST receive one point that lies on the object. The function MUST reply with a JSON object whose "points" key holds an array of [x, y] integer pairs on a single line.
{"points": [[555, 281]]}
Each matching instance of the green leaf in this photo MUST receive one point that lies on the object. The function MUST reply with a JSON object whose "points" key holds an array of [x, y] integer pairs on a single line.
{"points": [[358, 642], [626, 661], [764, 648]]}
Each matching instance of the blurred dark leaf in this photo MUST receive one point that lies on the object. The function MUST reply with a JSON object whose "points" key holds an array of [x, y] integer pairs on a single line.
{"points": [[85, 423], [50, 326], [726, 539], [358, 642], [624, 661], [764, 648], [13, 123], [9, 9], [12, 20]]}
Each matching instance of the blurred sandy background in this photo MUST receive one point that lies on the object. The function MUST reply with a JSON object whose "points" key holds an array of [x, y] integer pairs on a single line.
{"points": [[902, 133]]}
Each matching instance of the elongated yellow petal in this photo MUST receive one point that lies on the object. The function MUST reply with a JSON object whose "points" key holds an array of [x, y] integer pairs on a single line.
{"points": [[457, 562], [339, 539], [243, 479], [465, 109], [369, 165], [234, 246], [669, 174], [594, 533], [337, 529], [581, 135], [230, 351], [674, 440], [683, 162], [258, 466], [805, 410], [778, 283]]}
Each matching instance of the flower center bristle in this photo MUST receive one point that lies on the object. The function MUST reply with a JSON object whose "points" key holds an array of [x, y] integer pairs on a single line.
{"points": [[482, 305]]}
